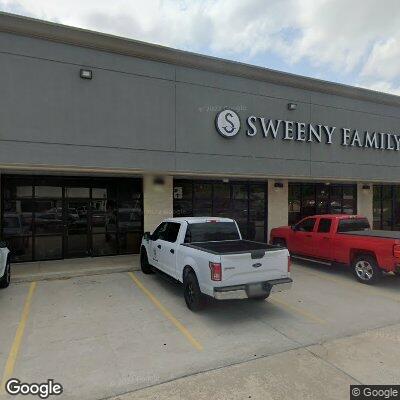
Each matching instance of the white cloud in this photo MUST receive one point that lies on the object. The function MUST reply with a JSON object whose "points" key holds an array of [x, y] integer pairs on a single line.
{"points": [[383, 61], [356, 40]]}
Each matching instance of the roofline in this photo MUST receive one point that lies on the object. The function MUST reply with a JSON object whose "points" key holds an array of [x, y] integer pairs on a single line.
{"points": [[12, 23]]}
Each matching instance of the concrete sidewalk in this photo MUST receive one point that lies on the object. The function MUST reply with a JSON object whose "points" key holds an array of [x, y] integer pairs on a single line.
{"points": [[59, 269], [323, 371]]}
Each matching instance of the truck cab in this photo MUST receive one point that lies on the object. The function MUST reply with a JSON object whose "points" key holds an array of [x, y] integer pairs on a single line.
{"points": [[209, 256]]}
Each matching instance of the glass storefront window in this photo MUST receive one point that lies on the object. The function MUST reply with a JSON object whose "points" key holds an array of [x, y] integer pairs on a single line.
{"points": [[243, 201], [77, 192], [21, 248], [322, 197], [48, 247], [348, 200], [62, 217], [307, 199], [202, 199], [105, 244], [257, 213], [222, 199], [183, 199], [48, 191], [294, 203], [48, 217], [336, 196], [377, 207], [17, 217], [386, 207], [396, 208]]}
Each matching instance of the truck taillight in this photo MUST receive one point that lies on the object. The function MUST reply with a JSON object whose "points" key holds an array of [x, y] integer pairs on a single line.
{"points": [[216, 271], [396, 250], [289, 264]]}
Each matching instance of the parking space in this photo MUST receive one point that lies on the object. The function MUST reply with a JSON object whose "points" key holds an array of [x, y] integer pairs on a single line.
{"points": [[104, 335]]}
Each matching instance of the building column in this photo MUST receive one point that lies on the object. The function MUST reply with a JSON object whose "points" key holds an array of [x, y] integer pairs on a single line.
{"points": [[157, 200], [278, 208], [365, 200]]}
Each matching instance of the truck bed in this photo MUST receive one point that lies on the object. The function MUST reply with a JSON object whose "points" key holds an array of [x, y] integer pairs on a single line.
{"points": [[233, 247], [374, 233]]}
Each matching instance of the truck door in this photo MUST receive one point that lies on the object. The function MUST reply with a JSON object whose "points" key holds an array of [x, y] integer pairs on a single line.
{"points": [[323, 239], [166, 246], [156, 246], [302, 238]]}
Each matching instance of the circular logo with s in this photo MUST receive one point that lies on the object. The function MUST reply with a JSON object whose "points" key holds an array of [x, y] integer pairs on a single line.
{"points": [[227, 123]]}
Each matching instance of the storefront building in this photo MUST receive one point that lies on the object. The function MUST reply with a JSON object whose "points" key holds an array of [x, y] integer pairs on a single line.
{"points": [[102, 137]]}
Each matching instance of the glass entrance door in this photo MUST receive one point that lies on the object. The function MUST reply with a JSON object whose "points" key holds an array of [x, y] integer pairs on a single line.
{"points": [[54, 217], [77, 228]]}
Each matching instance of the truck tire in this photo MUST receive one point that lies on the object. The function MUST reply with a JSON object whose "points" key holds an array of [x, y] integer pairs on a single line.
{"points": [[366, 269], [279, 242], [191, 291], [6, 278], [144, 263]]}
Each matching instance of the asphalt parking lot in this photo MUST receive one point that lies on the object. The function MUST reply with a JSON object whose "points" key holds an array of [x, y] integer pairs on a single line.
{"points": [[105, 335]]}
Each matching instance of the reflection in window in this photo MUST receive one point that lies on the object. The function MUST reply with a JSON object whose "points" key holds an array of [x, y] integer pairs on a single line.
{"points": [[105, 244], [386, 207], [48, 191], [48, 247], [306, 199], [48, 217], [243, 201], [294, 203], [78, 192], [53, 217], [21, 248]]}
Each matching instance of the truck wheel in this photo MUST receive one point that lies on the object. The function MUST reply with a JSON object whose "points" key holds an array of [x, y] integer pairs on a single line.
{"points": [[144, 263], [6, 278], [191, 291], [366, 270], [279, 242]]}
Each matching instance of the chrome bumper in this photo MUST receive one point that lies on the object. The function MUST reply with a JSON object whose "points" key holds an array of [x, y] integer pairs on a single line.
{"points": [[247, 291]]}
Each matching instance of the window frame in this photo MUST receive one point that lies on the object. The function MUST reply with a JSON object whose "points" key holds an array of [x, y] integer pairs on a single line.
{"points": [[304, 221], [319, 225]]}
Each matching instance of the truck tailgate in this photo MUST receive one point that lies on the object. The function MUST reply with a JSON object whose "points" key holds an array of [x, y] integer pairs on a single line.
{"points": [[252, 267]]}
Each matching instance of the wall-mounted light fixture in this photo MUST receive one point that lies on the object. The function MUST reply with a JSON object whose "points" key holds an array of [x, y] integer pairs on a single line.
{"points": [[86, 74], [278, 185], [366, 187], [292, 106], [225, 180]]}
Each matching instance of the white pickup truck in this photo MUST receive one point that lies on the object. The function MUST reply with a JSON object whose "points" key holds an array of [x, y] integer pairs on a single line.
{"points": [[209, 256]]}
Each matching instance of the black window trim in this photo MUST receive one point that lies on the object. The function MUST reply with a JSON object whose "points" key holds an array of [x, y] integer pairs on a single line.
{"points": [[324, 219]]}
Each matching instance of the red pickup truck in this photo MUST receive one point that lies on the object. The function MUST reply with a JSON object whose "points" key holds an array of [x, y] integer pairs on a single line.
{"points": [[342, 239]]}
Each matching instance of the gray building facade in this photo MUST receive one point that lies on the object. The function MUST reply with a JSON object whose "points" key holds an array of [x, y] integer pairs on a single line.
{"points": [[160, 116]]}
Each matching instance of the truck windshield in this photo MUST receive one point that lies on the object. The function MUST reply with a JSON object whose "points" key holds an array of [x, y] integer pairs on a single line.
{"points": [[211, 231], [353, 224]]}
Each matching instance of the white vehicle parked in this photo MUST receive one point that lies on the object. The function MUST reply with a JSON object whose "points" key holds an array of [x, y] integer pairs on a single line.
{"points": [[5, 266], [209, 256]]}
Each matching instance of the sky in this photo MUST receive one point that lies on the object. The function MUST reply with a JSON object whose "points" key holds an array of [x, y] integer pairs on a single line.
{"points": [[355, 42]]}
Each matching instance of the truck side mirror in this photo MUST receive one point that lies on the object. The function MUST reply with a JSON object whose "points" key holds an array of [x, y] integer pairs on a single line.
{"points": [[147, 236]]}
